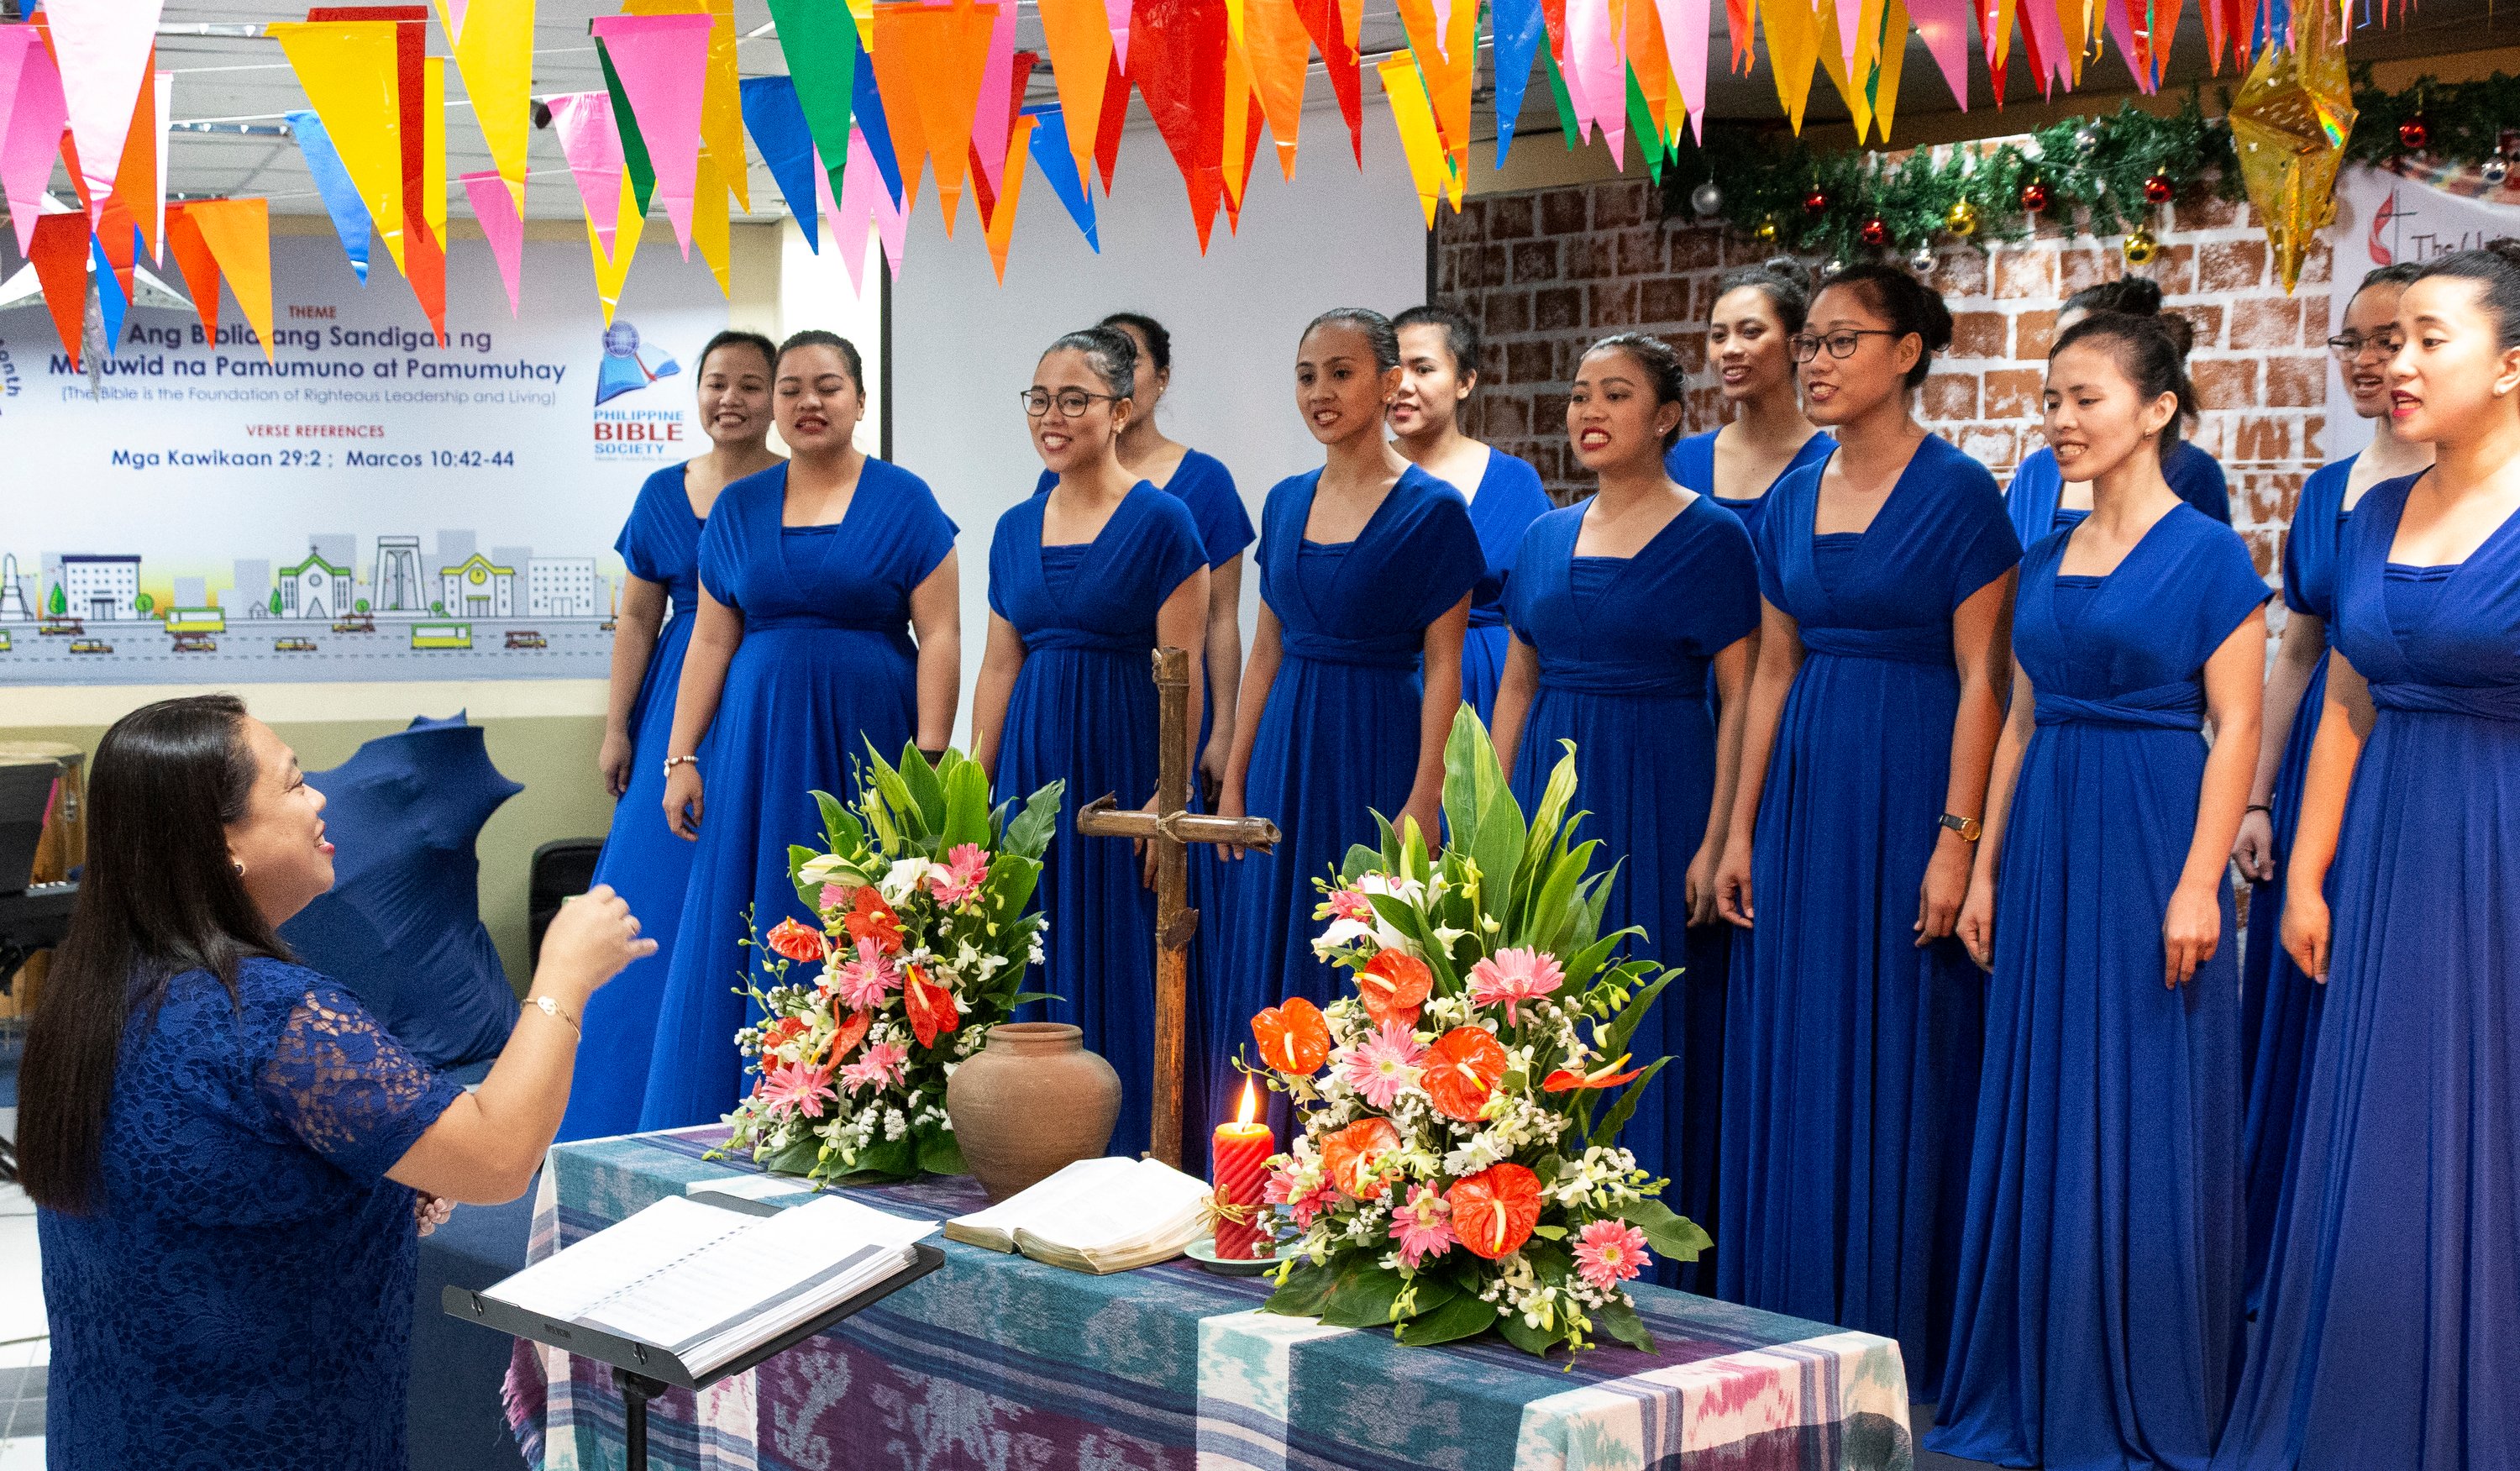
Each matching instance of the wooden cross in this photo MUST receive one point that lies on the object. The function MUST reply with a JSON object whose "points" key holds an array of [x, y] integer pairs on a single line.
{"points": [[1172, 827]]}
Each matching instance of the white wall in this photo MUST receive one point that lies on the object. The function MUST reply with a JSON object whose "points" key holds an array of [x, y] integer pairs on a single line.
{"points": [[814, 291], [964, 346]]}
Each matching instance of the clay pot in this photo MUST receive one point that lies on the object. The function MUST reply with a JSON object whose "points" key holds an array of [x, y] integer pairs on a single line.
{"points": [[1030, 1104]]}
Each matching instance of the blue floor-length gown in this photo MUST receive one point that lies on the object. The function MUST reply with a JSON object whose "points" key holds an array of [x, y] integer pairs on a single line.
{"points": [[1691, 464], [1851, 1056], [2385, 1334], [1625, 647], [2278, 1004], [2099, 1284], [643, 860], [1338, 739], [827, 667], [2038, 485], [1505, 502], [1084, 712]]}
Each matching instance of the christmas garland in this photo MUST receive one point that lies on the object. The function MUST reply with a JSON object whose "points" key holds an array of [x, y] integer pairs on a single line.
{"points": [[2098, 176]]}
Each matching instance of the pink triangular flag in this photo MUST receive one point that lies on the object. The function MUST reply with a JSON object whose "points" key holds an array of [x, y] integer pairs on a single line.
{"points": [[2121, 31], [991, 118], [1117, 12], [838, 217], [1683, 39], [1595, 51], [101, 47], [889, 221], [454, 19], [1945, 26], [495, 208], [30, 131], [591, 143], [662, 61]]}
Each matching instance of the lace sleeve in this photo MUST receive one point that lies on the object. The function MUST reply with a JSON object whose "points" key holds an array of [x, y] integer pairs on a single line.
{"points": [[346, 1088]]}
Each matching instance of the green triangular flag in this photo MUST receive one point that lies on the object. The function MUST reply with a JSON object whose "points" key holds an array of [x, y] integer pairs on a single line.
{"points": [[1566, 123], [634, 148], [820, 40]]}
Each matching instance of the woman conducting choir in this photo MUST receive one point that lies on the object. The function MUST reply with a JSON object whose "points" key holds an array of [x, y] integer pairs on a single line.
{"points": [[643, 861], [1084, 583], [830, 624], [1629, 609], [2042, 500], [1439, 367], [2383, 1337], [2278, 1004], [1853, 1032], [1366, 570], [2099, 1286], [1758, 311]]}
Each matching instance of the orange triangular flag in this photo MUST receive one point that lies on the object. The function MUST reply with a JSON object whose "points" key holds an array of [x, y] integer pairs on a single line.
{"points": [[238, 232], [1002, 220], [898, 80], [1078, 33], [201, 269], [1278, 52], [136, 186], [942, 50]]}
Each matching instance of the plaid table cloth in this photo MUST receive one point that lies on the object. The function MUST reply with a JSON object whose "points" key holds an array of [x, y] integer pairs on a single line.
{"points": [[1000, 1363]]}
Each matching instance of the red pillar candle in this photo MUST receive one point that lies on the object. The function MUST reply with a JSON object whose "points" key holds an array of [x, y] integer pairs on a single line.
{"points": [[1238, 1168]]}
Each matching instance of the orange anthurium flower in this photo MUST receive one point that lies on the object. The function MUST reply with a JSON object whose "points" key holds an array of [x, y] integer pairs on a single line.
{"points": [[1494, 1210], [1461, 1069], [872, 921], [1293, 1036], [795, 941], [932, 1013], [1393, 986], [1348, 1156], [1565, 1082], [851, 1031], [782, 1032]]}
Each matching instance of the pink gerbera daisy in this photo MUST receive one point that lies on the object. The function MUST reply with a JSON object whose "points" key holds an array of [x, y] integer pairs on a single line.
{"points": [[967, 867], [861, 981], [1513, 976], [1385, 1062], [1423, 1226], [880, 1067], [1609, 1252], [1279, 1191], [794, 1086], [1347, 904]]}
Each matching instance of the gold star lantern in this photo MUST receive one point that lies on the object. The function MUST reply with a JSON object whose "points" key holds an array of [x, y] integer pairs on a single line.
{"points": [[2290, 125]]}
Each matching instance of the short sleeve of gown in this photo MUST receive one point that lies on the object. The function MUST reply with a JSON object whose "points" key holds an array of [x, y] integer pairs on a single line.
{"points": [[1175, 546], [341, 1084], [1788, 514], [1725, 584], [927, 532], [2309, 505], [1020, 520], [1981, 530], [635, 544], [722, 549], [1215, 506], [1448, 544], [2231, 587]]}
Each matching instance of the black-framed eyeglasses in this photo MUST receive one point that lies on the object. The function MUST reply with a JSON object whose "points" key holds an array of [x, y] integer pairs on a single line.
{"points": [[1841, 344], [1071, 402], [2350, 345]]}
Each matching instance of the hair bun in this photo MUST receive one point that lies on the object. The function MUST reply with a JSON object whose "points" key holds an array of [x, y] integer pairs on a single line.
{"points": [[1787, 269], [2505, 248]]}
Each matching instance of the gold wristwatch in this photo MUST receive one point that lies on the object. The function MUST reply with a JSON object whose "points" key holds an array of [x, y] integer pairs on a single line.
{"points": [[1967, 828]]}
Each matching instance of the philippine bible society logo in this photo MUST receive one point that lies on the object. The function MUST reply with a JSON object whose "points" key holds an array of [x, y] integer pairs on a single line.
{"points": [[657, 432]]}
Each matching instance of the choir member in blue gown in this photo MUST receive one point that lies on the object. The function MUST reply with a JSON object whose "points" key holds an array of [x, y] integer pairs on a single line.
{"points": [[815, 575], [2099, 1286], [2278, 1004], [1852, 1030], [1629, 611], [643, 861], [1366, 570], [2042, 501], [2384, 1337], [1084, 584], [1439, 367], [1758, 309]]}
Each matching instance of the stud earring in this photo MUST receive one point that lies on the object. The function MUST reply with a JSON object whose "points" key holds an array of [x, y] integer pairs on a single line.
{"points": [[239, 867]]}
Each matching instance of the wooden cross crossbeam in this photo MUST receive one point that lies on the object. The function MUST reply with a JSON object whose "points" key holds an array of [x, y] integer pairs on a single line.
{"points": [[1172, 827]]}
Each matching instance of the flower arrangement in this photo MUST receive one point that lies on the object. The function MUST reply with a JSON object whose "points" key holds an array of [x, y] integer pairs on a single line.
{"points": [[1450, 1175], [920, 890]]}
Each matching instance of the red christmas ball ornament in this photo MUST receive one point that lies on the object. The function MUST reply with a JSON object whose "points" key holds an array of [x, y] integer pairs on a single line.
{"points": [[1875, 231], [1816, 202], [2034, 196], [2158, 190], [2415, 133]]}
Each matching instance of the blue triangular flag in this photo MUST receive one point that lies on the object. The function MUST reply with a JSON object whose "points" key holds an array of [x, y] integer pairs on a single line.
{"points": [[1050, 150], [776, 120], [108, 292], [1518, 27], [866, 107], [332, 181]]}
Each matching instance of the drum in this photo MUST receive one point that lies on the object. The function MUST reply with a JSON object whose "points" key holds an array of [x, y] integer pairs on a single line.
{"points": [[59, 852]]}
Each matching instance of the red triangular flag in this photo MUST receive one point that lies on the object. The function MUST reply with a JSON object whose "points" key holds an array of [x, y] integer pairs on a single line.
{"points": [[1177, 59], [59, 256], [1108, 128], [1328, 30]]}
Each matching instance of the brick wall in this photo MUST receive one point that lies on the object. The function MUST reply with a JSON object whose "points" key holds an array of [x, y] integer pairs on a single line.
{"points": [[1547, 271]]}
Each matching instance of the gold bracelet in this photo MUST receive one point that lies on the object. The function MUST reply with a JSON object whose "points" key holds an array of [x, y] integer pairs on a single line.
{"points": [[550, 1008]]}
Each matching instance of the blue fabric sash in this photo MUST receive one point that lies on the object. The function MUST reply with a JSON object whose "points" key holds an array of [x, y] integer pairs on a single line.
{"points": [[771, 621], [2163, 707], [2489, 701], [1929, 644], [1684, 679], [1374, 655], [1078, 638]]}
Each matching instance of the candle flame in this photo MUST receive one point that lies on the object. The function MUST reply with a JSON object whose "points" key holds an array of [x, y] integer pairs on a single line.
{"points": [[1250, 1101]]}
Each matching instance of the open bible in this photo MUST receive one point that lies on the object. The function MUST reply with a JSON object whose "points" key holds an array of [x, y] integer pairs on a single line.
{"points": [[1097, 1215]]}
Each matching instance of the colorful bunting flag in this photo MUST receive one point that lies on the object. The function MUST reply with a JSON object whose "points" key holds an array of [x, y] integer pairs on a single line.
{"points": [[1078, 35], [237, 235], [776, 120], [495, 211], [33, 113], [1415, 117], [1327, 22], [868, 118], [819, 41], [994, 111], [1115, 118], [59, 253], [1180, 71], [1059, 163], [891, 216], [1274, 48], [333, 185], [662, 65], [496, 61], [103, 50], [1945, 26], [349, 70], [433, 154], [1519, 27], [1002, 220]]}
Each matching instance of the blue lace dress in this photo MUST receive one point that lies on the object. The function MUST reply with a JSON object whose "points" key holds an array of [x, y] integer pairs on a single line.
{"points": [[241, 1294]]}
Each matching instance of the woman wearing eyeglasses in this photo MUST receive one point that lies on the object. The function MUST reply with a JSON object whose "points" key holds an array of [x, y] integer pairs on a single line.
{"points": [[1854, 1029], [2042, 500], [831, 621], [1084, 583], [2278, 1004]]}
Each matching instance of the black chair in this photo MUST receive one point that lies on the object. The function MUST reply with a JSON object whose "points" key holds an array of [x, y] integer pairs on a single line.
{"points": [[563, 869]]}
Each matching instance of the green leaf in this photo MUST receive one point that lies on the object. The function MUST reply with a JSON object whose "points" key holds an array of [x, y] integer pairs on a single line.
{"points": [[926, 788], [1307, 1287], [1363, 1296], [840, 827], [1618, 1319], [940, 1153], [967, 806], [1027, 998], [1533, 1341], [1673, 1236], [1550, 816], [893, 807], [1011, 878], [1614, 1039], [796, 1157], [1361, 860], [1478, 803], [1464, 1315], [1029, 834], [798, 856], [895, 1158], [1607, 1130]]}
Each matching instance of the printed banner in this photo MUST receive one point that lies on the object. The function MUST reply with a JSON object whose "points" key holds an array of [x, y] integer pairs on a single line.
{"points": [[2383, 218]]}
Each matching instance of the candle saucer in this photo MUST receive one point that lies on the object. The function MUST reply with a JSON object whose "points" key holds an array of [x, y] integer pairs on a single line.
{"points": [[1203, 1252]]}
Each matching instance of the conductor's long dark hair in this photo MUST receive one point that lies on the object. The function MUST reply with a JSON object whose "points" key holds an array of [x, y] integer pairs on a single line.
{"points": [[158, 897]]}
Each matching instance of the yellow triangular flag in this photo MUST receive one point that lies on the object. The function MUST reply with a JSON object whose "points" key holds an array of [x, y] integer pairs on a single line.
{"points": [[722, 110], [432, 150], [1793, 49], [1415, 117], [1894, 56], [712, 228], [347, 69], [495, 57], [1832, 59], [612, 270]]}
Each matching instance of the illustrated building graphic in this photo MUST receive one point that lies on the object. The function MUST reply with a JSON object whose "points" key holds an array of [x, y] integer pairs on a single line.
{"points": [[561, 587], [478, 587], [314, 589], [101, 588], [399, 587], [16, 605]]}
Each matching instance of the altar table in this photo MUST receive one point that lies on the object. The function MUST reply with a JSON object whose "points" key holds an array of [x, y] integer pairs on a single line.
{"points": [[997, 1362]]}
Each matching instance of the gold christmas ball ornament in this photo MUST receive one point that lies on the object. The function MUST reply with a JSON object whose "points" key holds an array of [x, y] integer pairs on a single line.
{"points": [[1960, 219], [2140, 248], [1766, 230]]}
